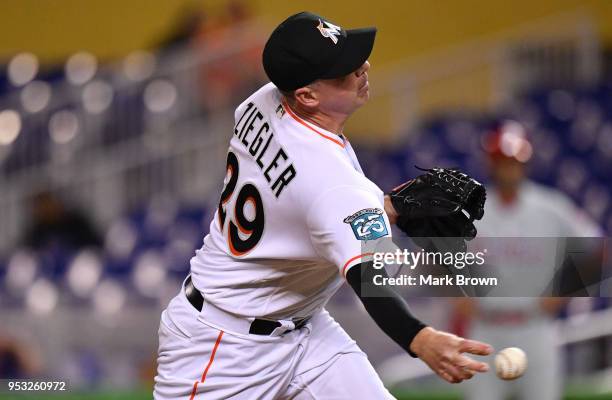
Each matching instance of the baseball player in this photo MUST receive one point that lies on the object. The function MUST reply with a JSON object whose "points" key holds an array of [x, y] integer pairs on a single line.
{"points": [[521, 208], [250, 320]]}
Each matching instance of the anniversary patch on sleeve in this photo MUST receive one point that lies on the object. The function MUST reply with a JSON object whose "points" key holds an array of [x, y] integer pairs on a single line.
{"points": [[368, 224]]}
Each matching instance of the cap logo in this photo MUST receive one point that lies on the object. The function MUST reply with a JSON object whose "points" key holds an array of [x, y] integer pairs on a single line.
{"points": [[280, 111], [329, 30]]}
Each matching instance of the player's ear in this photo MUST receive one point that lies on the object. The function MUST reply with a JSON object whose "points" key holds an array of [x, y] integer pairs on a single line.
{"points": [[306, 97]]}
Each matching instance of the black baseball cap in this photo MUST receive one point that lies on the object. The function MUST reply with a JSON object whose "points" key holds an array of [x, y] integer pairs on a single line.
{"points": [[306, 47]]}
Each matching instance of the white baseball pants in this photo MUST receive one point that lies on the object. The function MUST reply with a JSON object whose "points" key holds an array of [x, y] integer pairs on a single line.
{"points": [[543, 377], [200, 360]]}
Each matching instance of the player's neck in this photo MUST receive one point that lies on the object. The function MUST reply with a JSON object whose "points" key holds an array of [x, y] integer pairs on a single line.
{"points": [[508, 196], [330, 122]]}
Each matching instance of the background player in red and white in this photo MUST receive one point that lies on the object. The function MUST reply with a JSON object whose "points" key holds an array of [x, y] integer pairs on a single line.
{"points": [[518, 207], [250, 321]]}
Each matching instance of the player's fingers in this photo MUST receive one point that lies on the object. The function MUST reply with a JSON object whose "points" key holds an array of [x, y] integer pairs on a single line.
{"points": [[457, 373], [475, 347], [446, 376], [467, 363], [470, 374]]}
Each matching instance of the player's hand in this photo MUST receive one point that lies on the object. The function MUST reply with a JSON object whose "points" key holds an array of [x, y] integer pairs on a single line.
{"points": [[442, 352], [390, 210]]}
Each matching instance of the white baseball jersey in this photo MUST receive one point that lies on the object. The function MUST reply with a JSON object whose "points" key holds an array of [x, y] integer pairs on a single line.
{"points": [[537, 212], [292, 216]]}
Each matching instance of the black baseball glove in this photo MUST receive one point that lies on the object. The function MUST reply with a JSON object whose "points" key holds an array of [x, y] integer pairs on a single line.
{"points": [[437, 209]]}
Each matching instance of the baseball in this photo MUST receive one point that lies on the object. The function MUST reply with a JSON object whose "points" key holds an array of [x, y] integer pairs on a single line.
{"points": [[510, 363]]}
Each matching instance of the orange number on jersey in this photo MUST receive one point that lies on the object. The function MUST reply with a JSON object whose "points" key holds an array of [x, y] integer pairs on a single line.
{"points": [[251, 229]]}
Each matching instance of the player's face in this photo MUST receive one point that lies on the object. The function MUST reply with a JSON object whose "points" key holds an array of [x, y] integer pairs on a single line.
{"points": [[507, 172], [344, 95]]}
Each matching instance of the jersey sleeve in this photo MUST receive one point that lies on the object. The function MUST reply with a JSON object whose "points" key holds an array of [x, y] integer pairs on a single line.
{"points": [[341, 219], [574, 221]]}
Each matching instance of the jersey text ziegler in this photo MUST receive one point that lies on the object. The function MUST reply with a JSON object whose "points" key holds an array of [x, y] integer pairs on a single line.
{"points": [[251, 121]]}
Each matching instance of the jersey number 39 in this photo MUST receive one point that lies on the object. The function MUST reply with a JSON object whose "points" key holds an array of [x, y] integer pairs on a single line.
{"points": [[243, 233]]}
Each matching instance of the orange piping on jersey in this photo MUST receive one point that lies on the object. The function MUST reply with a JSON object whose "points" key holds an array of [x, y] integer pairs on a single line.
{"points": [[353, 259], [301, 121], [210, 361]]}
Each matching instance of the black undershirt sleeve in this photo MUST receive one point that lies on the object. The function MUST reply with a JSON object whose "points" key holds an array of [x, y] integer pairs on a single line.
{"points": [[385, 306]]}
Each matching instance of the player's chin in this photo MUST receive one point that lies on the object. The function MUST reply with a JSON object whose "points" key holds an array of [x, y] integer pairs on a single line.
{"points": [[363, 96]]}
